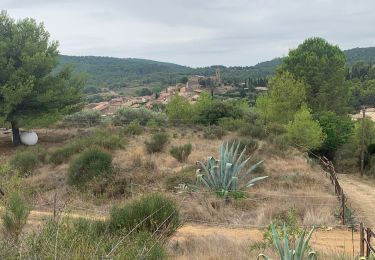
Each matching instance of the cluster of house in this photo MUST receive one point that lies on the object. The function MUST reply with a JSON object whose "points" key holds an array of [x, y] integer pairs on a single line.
{"points": [[190, 91]]}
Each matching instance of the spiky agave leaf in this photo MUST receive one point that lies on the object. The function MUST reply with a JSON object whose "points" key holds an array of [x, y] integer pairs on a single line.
{"points": [[227, 173]]}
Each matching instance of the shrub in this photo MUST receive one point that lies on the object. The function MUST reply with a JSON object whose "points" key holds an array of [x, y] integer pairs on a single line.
{"points": [[156, 143], [88, 165], [15, 216], [25, 161], [109, 141], [134, 128], [230, 124], [226, 174], [62, 154], [213, 132], [84, 118], [92, 240], [124, 116], [153, 213], [181, 153], [185, 177], [304, 131], [249, 144], [100, 138], [256, 130]]}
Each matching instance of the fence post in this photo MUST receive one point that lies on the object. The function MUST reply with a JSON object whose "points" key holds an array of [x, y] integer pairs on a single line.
{"points": [[361, 238], [368, 238], [343, 206]]}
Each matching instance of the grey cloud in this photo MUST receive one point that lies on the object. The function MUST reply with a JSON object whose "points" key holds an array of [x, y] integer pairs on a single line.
{"points": [[195, 32]]}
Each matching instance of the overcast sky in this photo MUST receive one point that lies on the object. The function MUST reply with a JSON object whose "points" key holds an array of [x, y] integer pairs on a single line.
{"points": [[198, 32]]}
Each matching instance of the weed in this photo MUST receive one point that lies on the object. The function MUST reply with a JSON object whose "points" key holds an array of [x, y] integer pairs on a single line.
{"points": [[181, 153], [156, 143]]}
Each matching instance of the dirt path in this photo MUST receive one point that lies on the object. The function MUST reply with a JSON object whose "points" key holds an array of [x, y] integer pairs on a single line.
{"points": [[361, 195], [329, 240]]}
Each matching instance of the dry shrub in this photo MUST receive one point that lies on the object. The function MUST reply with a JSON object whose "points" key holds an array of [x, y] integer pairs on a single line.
{"points": [[212, 246]]}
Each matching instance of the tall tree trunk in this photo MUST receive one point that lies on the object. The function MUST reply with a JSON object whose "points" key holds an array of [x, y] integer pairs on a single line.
{"points": [[16, 134]]}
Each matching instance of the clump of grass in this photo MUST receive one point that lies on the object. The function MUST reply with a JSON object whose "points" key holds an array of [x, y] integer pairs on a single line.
{"points": [[181, 153], [15, 216], [92, 240], [156, 143], [25, 161], [90, 164], [153, 213], [100, 138], [185, 177], [134, 128], [63, 154], [213, 132]]}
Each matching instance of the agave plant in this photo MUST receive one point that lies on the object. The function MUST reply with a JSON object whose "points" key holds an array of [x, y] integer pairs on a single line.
{"points": [[283, 250], [227, 174]]}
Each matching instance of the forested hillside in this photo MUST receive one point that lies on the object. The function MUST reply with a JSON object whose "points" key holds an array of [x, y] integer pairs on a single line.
{"points": [[115, 73]]}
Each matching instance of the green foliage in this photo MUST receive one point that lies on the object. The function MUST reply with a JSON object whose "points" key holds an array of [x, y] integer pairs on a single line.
{"points": [[153, 213], [84, 118], [144, 92], [125, 115], [213, 132], [92, 239], [228, 174], [337, 128], [231, 124], [285, 252], [156, 143], [304, 131], [179, 110], [216, 111], [25, 161], [134, 128], [181, 153], [256, 130], [15, 216], [30, 94], [287, 219], [90, 164], [322, 67], [284, 99], [100, 138]]}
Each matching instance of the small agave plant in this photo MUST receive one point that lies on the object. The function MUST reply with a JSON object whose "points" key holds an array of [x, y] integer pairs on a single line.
{"points": [[283, 250], [228, 174]]}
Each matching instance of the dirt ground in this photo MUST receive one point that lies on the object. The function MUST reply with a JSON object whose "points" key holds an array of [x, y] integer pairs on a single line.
{"points": [[361, 196]]}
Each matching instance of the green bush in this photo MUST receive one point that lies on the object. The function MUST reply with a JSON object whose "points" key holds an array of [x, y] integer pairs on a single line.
{"points": [[230, 124], [84, 118], [91, 240], [15, 216], [124, 116], [156, 143], [90, 164], [153, 213], [181, 153], [105, 139], [134, 128], [100, 138], [256, 130], [25, 161], [63, 154], [213, 132]]}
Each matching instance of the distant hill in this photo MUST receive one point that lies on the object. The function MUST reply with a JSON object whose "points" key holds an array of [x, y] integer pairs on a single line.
{"points": [[115, 73], [360, 54]]}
